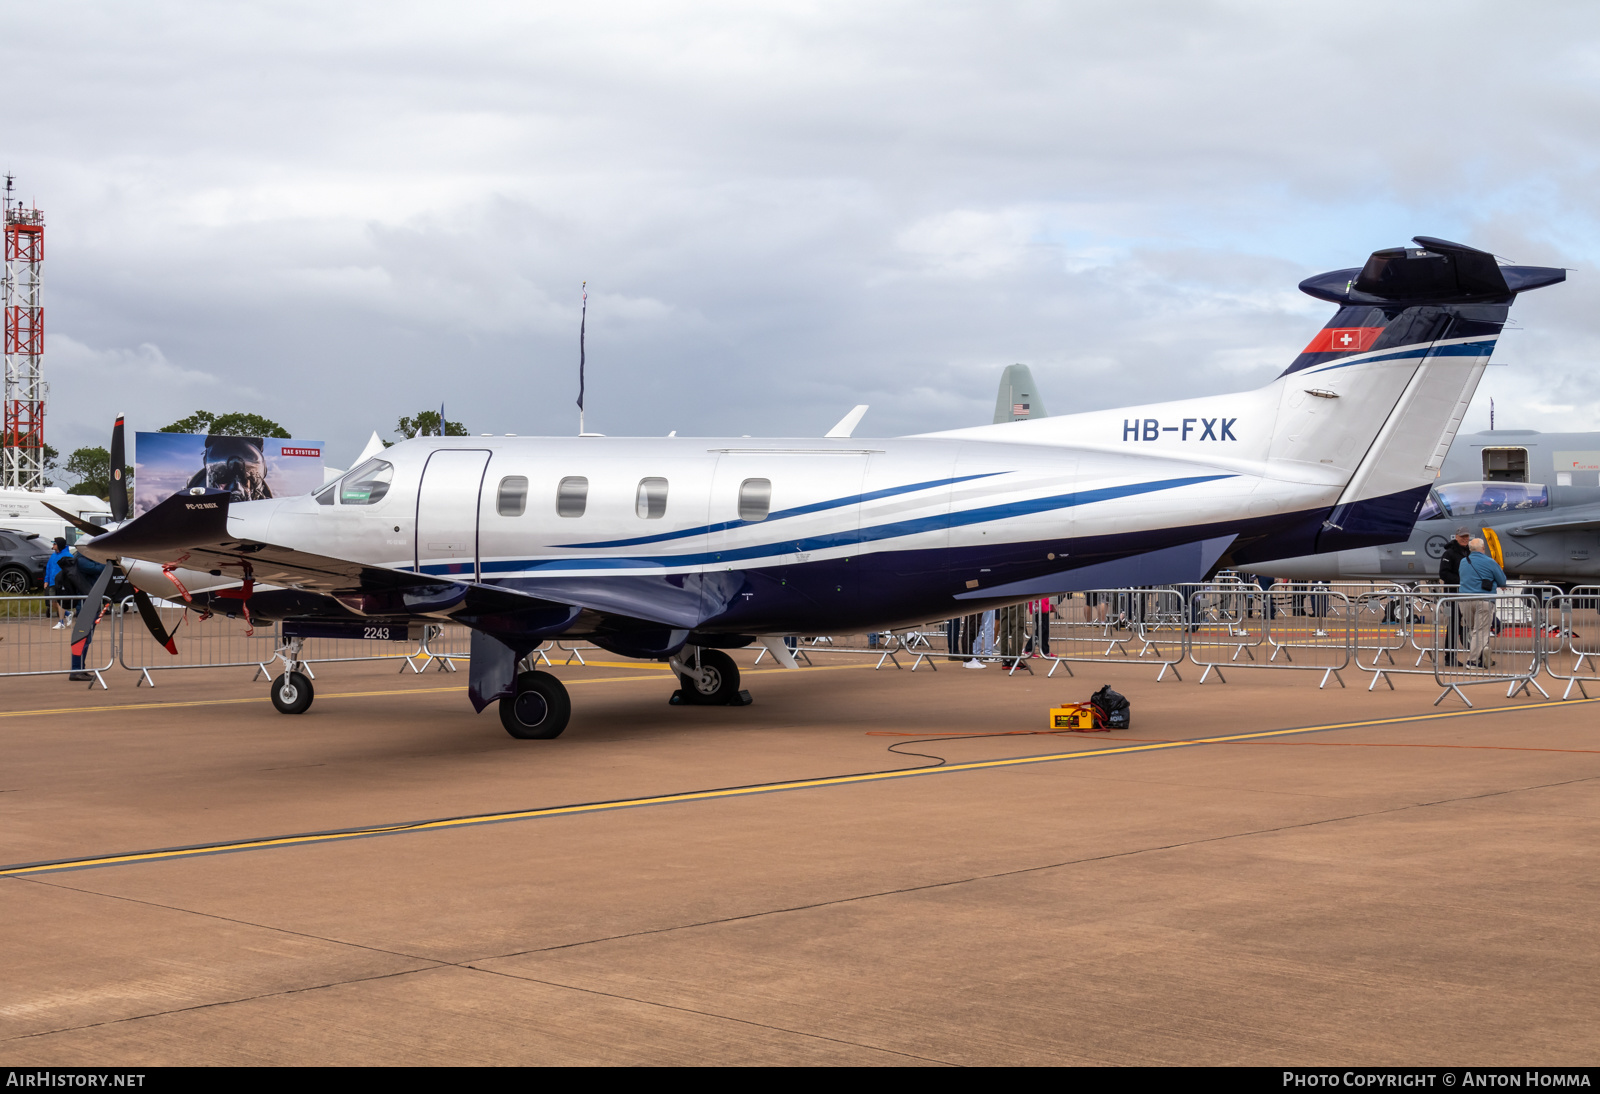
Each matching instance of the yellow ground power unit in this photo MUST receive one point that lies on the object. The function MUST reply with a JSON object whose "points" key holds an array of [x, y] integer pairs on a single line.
{"points": [[1074, 716]]}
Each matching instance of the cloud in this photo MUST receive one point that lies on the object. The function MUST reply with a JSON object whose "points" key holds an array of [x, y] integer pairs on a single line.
{"points": [[343, 215]]}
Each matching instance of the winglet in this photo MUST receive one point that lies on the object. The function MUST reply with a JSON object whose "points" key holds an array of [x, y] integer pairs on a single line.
{"points": [[847, 424]]}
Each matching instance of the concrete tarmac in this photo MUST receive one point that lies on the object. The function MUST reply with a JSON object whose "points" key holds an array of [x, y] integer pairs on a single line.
{"points": [[1316, 877]]}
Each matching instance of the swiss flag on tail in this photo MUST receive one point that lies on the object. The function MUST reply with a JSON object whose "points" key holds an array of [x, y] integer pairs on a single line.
{"points": [[1343, 339]]}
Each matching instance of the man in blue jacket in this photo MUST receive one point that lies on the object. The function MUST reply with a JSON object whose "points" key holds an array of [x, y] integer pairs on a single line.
{"points": [[1481, 577], [52, 570]]}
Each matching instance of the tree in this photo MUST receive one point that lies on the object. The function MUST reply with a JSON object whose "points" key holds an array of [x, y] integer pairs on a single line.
{"points": [[236, 424], [426, 424], [92, 468]]}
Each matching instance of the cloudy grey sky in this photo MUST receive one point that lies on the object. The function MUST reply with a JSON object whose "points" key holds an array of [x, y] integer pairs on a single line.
{"points": [[337, 214]]}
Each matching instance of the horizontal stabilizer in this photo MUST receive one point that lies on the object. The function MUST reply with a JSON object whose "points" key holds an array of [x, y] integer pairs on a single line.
{"points": [[1185, 563], [1435, 272]]}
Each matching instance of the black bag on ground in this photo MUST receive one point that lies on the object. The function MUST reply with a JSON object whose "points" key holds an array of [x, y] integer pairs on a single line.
{"points": [[1110, 707]]}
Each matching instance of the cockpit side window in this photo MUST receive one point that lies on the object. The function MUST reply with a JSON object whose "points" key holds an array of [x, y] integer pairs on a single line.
{"points": [[366, 484], [1464, 499], [1433, 508]]}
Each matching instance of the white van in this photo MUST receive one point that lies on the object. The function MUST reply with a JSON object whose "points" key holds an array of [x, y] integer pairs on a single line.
{"points": [[24, 511]]}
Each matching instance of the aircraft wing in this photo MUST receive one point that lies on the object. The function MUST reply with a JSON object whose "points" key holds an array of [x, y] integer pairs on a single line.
{"points": [[191, 531]]}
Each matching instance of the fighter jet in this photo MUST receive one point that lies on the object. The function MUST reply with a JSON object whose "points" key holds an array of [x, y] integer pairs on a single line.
{"points": [[1533, 497]]}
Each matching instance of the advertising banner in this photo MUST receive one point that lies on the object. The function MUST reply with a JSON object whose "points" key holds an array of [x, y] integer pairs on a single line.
{"points": [[249, 468]]}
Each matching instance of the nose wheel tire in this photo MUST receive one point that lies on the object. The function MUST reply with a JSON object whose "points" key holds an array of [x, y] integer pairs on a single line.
{"points": [[717, 682], [539, 710], [292, 693]]}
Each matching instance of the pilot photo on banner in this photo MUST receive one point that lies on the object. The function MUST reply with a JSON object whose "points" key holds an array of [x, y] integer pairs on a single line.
{"points": [[248, 468]]}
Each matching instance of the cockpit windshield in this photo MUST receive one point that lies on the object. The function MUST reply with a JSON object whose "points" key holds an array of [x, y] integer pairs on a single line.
{"points": [[366, 484], [1464, 499]]}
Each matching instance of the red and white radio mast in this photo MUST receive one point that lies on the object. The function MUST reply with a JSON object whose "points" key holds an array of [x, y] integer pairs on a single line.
{"points": [[22, 445]]}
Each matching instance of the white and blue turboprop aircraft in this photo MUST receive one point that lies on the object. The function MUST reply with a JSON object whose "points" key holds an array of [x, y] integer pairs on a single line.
{"points": [[678, 548]]}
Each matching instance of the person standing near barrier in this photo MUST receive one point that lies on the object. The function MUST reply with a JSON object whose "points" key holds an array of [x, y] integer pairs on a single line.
{"points": [[1450, 577], [1481, 576], [52, 571]]}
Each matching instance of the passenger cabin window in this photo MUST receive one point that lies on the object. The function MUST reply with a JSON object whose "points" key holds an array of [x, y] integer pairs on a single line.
{"points": [[572, 496], [366, 484], [755, 499], [513, 497], [651, 503], [1505, 464]]}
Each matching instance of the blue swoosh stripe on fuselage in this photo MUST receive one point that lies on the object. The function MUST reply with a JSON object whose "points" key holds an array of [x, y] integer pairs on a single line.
{"points": [[1465, 349], [844, 539], [797, 511]]}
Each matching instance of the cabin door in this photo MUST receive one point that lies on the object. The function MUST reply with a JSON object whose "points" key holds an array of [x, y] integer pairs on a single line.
{"points": [[447, 513]]}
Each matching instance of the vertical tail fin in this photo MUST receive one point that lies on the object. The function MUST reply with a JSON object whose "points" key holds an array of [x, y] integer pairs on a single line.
{"points": [[1018, 398], [1386, 383]]}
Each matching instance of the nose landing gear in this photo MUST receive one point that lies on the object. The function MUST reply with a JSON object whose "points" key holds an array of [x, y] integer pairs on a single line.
{"points": [[292, 693]]}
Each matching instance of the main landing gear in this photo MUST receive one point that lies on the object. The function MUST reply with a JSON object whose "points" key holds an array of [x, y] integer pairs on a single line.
{"points": [[539, 710], [709, 678]]}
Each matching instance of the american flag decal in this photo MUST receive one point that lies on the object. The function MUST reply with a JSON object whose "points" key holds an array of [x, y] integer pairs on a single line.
{"points": [[1019, 408]]}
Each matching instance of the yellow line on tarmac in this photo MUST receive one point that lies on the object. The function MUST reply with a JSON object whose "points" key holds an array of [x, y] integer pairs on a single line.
{"points": [[359, 694], [163, 854]]}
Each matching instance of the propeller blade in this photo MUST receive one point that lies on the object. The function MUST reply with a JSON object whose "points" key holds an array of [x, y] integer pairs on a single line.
{"points": [[89, 613], [152, 621], [119, 477]]}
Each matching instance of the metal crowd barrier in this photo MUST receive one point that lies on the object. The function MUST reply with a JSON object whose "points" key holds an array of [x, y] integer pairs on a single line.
{"points": [[1120, 626], [1576, 656], [1396, 621], [890, 646], [1230, 622], [1512, 656], [1307, 626], [1314, 620], [203, 643], [33, 644]]}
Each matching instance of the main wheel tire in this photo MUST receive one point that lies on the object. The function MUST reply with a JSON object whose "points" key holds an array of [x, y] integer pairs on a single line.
{"points": [[718, 682], [292, 693], [540, 709], [15, 582]]}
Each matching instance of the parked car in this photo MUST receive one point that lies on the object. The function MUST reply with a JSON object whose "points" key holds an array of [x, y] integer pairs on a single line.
{"points": [[22, 559]]}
